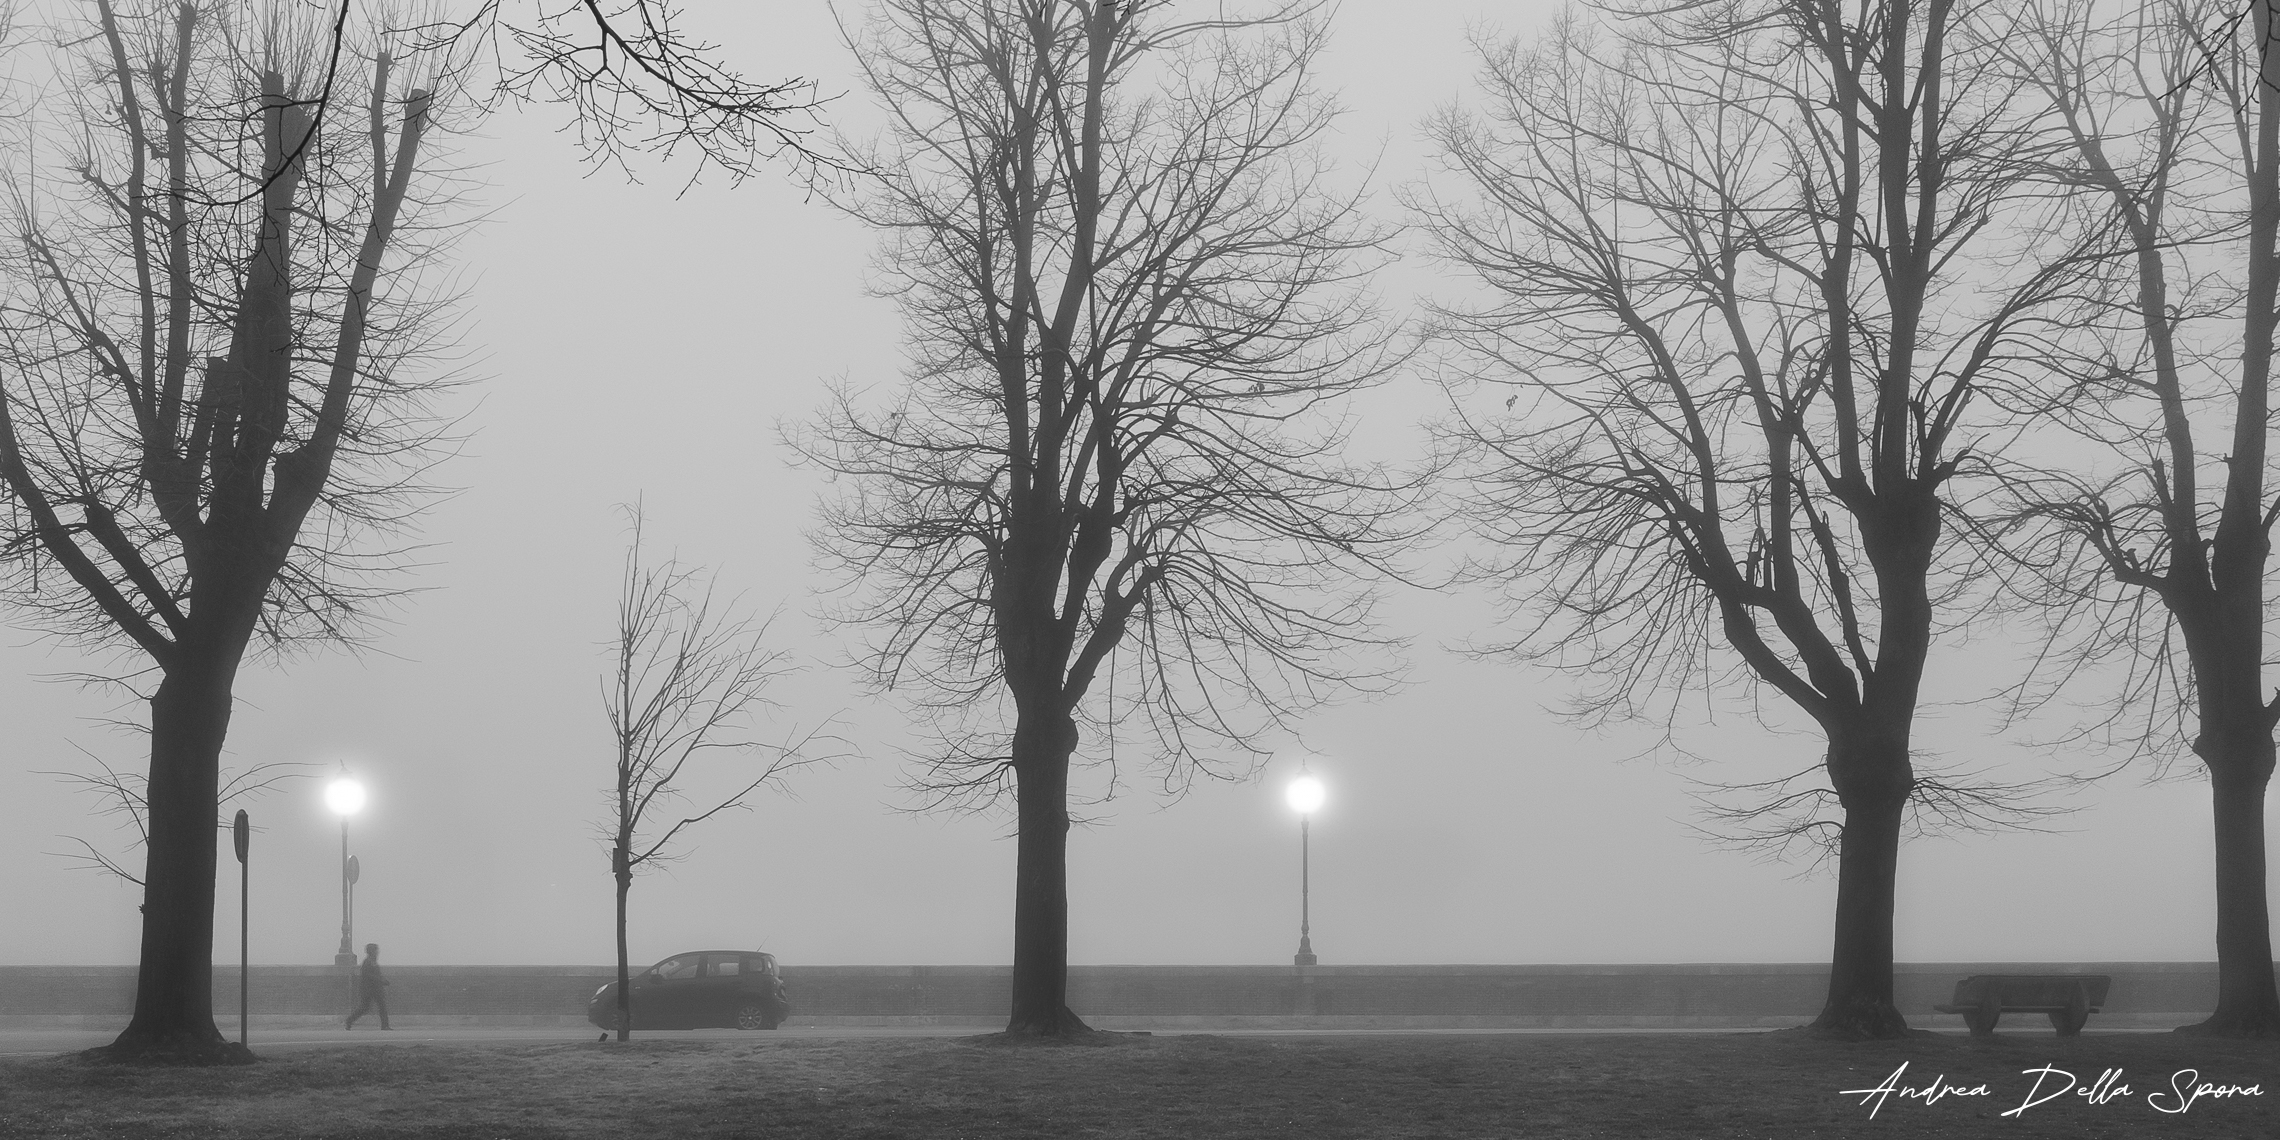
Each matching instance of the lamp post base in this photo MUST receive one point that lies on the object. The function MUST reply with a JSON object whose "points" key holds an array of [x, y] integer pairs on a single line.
{"points": [[1305, 955], [344, 958]]}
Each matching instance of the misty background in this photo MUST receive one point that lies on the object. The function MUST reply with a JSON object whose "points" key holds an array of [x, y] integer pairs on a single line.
{"points": [[641, 341]]}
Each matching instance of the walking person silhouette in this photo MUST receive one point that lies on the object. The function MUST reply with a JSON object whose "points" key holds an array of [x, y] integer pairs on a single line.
{"points": [[370, 987]]}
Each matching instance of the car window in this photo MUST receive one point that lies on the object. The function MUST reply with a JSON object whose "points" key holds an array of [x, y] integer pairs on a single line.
{"points": [[759, 963], [726, 967], [675, 968]]}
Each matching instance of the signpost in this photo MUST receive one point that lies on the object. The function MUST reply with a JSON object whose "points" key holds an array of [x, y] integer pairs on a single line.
{"points": [[240, 835]]}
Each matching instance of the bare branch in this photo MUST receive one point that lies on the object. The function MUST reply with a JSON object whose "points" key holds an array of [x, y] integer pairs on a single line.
{"points": [[636, 80]]}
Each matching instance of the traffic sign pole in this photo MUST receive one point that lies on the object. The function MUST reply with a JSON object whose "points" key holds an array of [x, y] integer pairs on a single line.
{"points": [[240, 834]]}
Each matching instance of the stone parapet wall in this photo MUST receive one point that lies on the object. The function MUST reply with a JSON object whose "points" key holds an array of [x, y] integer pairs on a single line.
{"points": [[1580, 996]]}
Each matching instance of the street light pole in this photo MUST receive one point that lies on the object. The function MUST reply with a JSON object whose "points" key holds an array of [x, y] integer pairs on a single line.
{"points": [[347, 954], [1305, 955], [346, 797], [1304, 795]]}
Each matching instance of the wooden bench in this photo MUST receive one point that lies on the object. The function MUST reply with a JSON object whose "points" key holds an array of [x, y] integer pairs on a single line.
{"points": [[2069, 999]]}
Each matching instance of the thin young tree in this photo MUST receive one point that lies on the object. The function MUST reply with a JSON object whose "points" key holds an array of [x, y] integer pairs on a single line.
{"points": [[1113, 481], [687, 678], [2156, 543], [1749, 267], [212, 410]]}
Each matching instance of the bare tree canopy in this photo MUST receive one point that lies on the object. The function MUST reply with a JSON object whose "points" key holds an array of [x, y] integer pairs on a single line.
{"points": [[1751, 268], [2155, 547], [687, 677], [1112, 482], [213, 406]]}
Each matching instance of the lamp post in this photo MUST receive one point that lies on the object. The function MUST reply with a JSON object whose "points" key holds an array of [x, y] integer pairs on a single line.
{"points": [[1304, 795], [346, 797]]}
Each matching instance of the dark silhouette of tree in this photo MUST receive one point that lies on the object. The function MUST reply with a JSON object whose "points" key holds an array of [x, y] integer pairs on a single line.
{"points": [[1749, 268], [2156, 547], [1110, 484], [686, 680], [207, 398]]}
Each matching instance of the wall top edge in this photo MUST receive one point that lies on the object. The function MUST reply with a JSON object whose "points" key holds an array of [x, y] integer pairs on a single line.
{"points": [[794, 969]]}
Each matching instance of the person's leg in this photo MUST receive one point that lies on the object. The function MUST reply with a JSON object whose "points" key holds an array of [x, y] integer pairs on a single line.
{"points": [[363, 1004], [381, 999]]}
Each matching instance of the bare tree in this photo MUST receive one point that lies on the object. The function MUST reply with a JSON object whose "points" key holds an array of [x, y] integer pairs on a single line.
{"points": [[1749, 268], [686, 681], [1110, 485], [2156, 546], [208, 404]]}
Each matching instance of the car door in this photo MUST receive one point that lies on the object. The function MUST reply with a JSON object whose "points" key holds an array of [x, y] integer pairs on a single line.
{"points": [[722, 992], [666, 995]]}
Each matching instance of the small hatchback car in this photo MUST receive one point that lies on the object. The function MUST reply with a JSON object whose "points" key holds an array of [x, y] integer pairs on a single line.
{"points": [[703, 989]]}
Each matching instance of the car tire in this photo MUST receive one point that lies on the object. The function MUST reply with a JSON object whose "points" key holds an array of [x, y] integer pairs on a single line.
{"points": [[757, 1015]]}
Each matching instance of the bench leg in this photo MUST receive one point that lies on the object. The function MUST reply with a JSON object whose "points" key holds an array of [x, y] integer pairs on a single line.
{"points": [[2069, 1023], [1982, 1020]]}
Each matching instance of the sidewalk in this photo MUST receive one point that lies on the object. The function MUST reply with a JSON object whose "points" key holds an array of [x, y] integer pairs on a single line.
{"points": [[25, 1041]]}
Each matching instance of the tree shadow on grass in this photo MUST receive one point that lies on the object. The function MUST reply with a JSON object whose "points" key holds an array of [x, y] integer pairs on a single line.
{"points": [[1088, 1038]]}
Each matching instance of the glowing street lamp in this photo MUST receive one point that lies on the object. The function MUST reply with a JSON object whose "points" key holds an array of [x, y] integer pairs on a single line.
{"points": [[1304, 795], [346, 797]]}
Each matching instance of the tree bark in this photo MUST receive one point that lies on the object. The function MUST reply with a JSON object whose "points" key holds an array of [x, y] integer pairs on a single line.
{"points": [[2248, 1002], [174, 1009], [622, 871], [1860, 1001], [1041, 880]]}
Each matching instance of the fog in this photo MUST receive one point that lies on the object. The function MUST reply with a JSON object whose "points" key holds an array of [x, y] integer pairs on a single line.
{"points": [[641, 341]]}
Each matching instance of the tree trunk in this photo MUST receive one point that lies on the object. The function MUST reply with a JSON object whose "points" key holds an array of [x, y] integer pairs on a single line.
{"points": [[623, 872], [2248, 1003], [1041, 881], [1860, 1001], [174, 998]]}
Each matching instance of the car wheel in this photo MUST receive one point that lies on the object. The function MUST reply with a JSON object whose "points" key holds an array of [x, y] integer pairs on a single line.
{"points": [[756, 1015]]}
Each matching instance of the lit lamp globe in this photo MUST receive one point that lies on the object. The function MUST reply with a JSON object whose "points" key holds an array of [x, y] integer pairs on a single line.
{"points": [[1305, 794], [344, 796]]}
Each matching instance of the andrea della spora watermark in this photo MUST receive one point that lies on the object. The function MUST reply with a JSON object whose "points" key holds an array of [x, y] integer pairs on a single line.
{"points": [[2045, 1084]]}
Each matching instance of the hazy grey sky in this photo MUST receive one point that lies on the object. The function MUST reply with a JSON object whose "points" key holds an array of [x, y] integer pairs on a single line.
{"points": [[631, 342]]}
